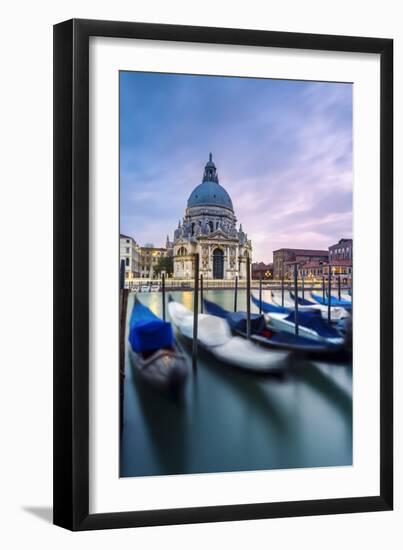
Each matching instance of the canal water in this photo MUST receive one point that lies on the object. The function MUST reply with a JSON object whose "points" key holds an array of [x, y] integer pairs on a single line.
{"points": [[229, 420]]}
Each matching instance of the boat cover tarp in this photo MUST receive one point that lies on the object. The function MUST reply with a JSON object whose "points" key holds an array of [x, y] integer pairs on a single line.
{"points": [[270, 308], [302, 301], [147, 331], [292, 339], [314, 320], [333, 301], [236, 319], [214, 309]]}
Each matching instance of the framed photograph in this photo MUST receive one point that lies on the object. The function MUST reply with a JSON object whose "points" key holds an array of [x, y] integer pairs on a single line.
{"points": [[223, 303]]}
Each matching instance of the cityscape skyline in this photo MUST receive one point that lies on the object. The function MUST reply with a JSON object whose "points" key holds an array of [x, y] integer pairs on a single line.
{"points": [[283, 150]]}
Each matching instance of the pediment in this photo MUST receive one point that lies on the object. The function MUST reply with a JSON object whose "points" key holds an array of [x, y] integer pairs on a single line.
{"points": [[217, 234]]}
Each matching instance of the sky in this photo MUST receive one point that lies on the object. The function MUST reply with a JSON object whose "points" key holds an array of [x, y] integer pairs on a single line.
{"points": [[282, 148]]}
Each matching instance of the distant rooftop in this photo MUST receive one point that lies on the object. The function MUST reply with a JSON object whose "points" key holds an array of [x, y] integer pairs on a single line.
{"points": [[342, 241], [123, 236], [303, 251]]}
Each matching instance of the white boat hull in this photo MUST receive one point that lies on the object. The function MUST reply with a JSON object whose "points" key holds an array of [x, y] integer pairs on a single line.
{"points": [[279, 323], [215, 335], [336, 313]]}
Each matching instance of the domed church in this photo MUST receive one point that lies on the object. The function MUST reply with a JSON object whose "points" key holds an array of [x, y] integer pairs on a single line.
{"points": [[209, 229]]}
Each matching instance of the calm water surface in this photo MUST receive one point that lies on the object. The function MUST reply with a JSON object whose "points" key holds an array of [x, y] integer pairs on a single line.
{"points": [[228, 420]]}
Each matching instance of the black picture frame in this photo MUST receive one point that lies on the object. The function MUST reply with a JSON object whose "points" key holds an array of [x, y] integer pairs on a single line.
{"points": [[71, 274]]}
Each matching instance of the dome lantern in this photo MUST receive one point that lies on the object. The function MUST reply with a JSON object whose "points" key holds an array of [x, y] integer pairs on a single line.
{"points": [[210, 171]]}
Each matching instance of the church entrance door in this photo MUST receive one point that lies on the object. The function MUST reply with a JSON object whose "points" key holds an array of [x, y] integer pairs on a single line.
{"points": [[218, 264]]}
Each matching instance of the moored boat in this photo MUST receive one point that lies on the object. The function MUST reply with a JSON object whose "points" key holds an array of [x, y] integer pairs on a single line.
{"points": [[334, 302], [214, 336], [153, 350], [311, 325], [301, 301], [336, 313], [275, 339]]}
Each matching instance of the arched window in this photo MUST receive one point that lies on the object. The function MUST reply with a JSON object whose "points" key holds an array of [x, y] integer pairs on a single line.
{"points": [[182, 251], [211, 225]]}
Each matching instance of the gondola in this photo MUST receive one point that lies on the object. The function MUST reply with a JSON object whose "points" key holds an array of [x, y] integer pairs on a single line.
{"points": [[302, 301], [334, 302], [215, 337], [263, 335], [311, 325], [346, 298], [153, 351], [336, 313]]}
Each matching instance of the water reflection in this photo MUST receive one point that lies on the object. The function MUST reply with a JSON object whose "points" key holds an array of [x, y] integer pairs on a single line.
{"points": [[228, 420]]}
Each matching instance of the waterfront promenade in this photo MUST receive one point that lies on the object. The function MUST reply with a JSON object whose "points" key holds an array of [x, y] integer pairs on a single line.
{"points": [[230, 284]]}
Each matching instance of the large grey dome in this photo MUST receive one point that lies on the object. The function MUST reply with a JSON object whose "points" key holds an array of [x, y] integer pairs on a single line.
{"points": [[210, 192]]}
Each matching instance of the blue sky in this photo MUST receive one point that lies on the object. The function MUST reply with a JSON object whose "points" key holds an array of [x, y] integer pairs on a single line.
{"points": [[283, 151]]}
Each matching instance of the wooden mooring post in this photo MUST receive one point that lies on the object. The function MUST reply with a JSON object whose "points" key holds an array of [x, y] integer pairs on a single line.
{"points": [[329, 294], [248, 297], [236, 293], [339, 286], [123, 300], [303, 287], [195, 311], [296, 299], [282, 286], [260, 294], [323, 290], [201, 294], [163, 296], [122, 275]]}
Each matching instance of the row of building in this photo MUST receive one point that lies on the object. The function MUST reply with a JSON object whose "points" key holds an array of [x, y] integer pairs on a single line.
{"points": [[311, 264], [140, 261]]}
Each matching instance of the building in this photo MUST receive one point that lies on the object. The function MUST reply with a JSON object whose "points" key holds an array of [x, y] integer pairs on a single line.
{"points": [[209, 228], [341, 259], [313, 269], [130, 253], [343, 250], [260, 269], [344, 269], [149, 257], [285, 258]]}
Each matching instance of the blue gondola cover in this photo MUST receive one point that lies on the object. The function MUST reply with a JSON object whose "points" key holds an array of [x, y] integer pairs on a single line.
{"points": [[313, 320], [333, 301], [270, 308], [147, 331], [301, 301], [237, 319]]}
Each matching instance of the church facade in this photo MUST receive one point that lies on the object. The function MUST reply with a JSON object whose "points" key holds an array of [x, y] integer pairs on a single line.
{"points": [[209, 228]]}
